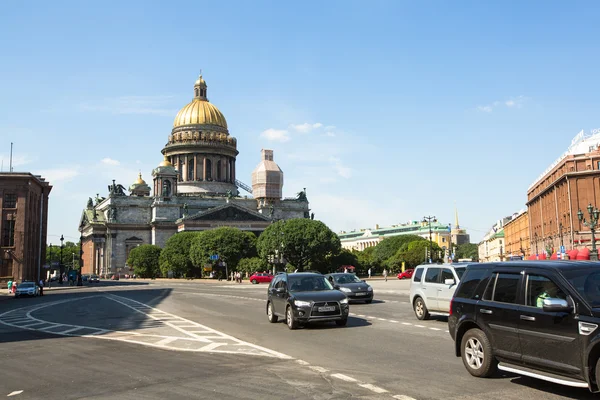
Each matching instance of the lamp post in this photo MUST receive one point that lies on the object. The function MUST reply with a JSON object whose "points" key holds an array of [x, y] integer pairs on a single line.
{"points": [[428, 220], [535, 238], [60, 263], [79, 281], [592, 224], [562, 245]]}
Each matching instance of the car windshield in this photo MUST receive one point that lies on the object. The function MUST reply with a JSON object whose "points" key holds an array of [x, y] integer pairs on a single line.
{"points": [[587, 282], [26, 284], [460, 271], [301, 283], [94, 276], [346, 278]]}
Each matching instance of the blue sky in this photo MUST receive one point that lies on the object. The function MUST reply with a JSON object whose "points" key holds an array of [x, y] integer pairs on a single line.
{"points": [[384, 110]]}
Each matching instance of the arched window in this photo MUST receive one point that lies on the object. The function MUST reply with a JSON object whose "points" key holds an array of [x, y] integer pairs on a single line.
{"points": [[196, 92]]}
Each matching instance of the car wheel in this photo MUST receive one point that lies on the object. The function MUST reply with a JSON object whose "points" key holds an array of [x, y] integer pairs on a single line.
{"points": [[270, 314], [477, 355], [341, 322], [421, 309], [289, 318], [254, 281]]}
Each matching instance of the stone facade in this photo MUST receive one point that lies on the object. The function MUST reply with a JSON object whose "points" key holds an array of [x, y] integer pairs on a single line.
{"points": [[23, 225], [194, 188], [516, 236]]}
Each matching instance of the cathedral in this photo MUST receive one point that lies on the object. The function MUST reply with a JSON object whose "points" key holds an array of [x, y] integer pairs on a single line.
{"points": [[194, 188]]}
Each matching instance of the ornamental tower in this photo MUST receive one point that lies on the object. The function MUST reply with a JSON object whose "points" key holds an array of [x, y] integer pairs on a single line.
{"points": [[267, 180], [200, 147]]}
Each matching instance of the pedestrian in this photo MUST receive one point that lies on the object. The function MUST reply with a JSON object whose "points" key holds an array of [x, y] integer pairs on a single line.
{"points": [[41, 287], [385, 274], [239, 276], [345, 270], [232, 276], [14, 287], [10, 283], [369, 273]]}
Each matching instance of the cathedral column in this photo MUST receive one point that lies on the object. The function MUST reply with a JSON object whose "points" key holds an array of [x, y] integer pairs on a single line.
{"points": [[224, 169], [184, 170], [233, 170]]}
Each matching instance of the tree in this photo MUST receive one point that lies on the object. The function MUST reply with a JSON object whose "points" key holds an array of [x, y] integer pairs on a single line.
{"points": [[175, 256], [414, 254], [467, 250], [346, 257], [145, 260], [303, 242], [388, 247], [230, 244], [251, 265]]}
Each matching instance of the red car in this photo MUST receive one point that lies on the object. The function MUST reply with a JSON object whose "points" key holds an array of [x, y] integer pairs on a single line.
{"points": [[407, 274], [261, 278]]}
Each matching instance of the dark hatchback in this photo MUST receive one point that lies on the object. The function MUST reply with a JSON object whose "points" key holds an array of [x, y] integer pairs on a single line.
{"points": [[351, 286], [537, 319], [303, 297]]}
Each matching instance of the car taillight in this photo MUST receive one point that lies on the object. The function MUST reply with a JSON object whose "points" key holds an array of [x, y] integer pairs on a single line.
{"points": [[450, 311]]}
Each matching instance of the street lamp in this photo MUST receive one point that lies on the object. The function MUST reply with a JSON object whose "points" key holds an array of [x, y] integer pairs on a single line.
{"points": [[535, 238], [428, 220], [79, 281], [60, 264], [592, 224]]}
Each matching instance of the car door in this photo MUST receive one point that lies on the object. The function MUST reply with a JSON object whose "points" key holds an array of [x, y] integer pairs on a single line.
{"points": [[273, 293], [430, 286], [498, 313], [549, 340], [445, 292], [280, 295]]}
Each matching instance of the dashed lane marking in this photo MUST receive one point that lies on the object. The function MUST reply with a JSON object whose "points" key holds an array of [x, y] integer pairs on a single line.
{"points": [[16, 392], [344, 377], [318, 369], [403, 397], [373, 388]]}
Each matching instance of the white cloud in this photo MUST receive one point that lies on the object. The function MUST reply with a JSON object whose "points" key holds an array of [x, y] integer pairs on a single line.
{"points": [[342, 170], [330, 134], [109, 161], [59, 174], [132, 105], [17, 161], [277, 135], [305, 127], [513, 102], [330, 127]]}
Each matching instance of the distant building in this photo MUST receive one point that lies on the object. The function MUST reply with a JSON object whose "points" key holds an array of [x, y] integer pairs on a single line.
{"points": [[459, 236], [516, 236], [553, 200], [492, 247], [23, 225], [364, 238]]}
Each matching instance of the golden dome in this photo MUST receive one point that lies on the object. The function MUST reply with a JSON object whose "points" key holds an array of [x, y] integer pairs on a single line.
{"points": [[165, 163], [140, 181], [200, 112]]}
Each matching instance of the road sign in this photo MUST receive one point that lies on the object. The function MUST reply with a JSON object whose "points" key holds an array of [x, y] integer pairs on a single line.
{"points": [[214, 257], [562, 249]]}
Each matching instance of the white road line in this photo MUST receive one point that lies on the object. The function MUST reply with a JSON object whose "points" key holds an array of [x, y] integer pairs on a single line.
{"points": [[212, 346], [166, 340], [302, 362], [380, 319], [403, 397], [50, 327], [373, 388], [16, 392], [318, 369], [420, 326], [394, 322], [406, 323], [435, 329], [343, 377], [72, 329]]}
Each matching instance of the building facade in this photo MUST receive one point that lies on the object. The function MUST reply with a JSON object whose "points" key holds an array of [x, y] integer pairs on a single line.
{"points": [[571, 183], [194, 188], [364, 238], [493, 246], [516, 236], [458, 236], [23, 225]]}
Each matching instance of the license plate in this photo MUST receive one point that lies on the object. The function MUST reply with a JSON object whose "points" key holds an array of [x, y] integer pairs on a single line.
{"points": [[361, 294], [325, 309]]}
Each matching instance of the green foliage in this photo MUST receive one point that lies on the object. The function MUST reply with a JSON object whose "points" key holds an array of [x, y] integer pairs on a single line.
{"points": [[70, 254], [345, 257], [144, 260], [304, 243], [251, 265], [388, 247], [467, 250], [413, 254], [175, 256], [231, 244]]}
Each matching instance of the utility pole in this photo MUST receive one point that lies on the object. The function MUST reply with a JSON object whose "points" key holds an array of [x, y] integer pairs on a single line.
{"points": [[428, 219]]}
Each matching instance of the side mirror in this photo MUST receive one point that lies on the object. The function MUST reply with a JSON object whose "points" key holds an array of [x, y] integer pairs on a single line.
{"points": [[449, 281], [336, 287], [280, 290], [556, 305]]}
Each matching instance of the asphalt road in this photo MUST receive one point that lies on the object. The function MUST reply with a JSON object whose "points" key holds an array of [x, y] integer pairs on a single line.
{"points": [[199, 340]]}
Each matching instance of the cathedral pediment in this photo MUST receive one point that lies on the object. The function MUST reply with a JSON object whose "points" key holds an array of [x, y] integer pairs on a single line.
{"points": [[228, 212]]}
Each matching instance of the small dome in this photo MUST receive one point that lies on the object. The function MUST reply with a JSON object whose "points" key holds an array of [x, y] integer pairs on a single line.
{"points": [[140, 181], [164, 163]]}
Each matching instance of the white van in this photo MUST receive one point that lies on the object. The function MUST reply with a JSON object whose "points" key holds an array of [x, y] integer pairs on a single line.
{"points": [[432, 287]]}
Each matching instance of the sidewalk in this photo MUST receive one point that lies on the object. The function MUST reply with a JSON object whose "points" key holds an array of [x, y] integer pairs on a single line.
{"points": [[4, 295]]}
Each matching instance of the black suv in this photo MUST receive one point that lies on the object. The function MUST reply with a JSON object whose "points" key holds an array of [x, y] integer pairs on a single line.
{"points": [[537, 319], [305, 297]]}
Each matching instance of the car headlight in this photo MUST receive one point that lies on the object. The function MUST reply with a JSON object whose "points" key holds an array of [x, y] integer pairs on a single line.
{"points": [[344, 301], [345, 289], [369, 289], [300, 303]]}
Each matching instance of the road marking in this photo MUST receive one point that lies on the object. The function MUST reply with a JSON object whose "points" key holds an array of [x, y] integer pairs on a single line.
{"points": [[403, 397], [435, 329], [373, 388], [166, 340], [420, 326], [16, 392], [302, 362], [318, 369], [392, 321], [406, 323], [344, 377]]}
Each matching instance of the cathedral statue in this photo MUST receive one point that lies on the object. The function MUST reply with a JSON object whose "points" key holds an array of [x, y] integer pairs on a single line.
{"points": [[271, 210], [230, 195], [90, 203], [112, 214], [302, 195], [185, 210], [116, 189]]}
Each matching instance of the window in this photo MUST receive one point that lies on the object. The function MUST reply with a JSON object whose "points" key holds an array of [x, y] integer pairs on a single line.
{"points": [[447, 274], [503, 289], [8, 233], [432, 275], [417, 275], [10, 200], [469, 282], [539, 288]]}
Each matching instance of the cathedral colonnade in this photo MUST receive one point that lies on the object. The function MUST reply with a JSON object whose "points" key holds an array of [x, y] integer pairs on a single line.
{"points": [[200, 167]]}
